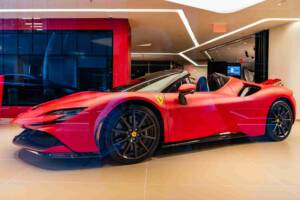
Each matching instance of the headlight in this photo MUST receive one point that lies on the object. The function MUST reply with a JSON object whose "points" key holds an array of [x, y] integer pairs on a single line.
{"points": [[65, 113]]}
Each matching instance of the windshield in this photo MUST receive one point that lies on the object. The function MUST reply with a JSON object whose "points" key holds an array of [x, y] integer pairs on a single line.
{"points": [[155, 82], [156, 85], [152, 84]]}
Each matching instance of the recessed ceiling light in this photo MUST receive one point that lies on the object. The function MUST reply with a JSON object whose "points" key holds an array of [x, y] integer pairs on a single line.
{"points": [[219, 6], [145, 45], [281, 2]]}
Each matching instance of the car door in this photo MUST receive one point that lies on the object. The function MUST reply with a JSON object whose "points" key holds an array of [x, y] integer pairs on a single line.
{"points": [[199, 118]]}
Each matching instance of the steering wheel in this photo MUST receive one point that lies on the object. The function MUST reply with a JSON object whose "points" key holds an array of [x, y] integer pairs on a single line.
{"points": [[214, 82]]}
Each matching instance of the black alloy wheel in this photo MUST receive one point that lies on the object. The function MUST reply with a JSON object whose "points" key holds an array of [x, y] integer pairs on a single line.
{"points": [[280, 121], [132, 134]]}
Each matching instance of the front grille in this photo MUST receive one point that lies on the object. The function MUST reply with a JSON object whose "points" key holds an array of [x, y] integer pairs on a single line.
{"points": [[36, 139]]}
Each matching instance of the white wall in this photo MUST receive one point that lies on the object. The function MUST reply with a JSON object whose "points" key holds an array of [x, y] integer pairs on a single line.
{"points": [[284, 57], [196, 72]]}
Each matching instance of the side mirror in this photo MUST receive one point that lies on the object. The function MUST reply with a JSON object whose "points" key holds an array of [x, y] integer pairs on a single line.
{"points": [[185, 89]]}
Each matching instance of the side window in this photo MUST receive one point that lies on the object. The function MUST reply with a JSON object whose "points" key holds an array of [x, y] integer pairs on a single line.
{"points": [[175, 86]]}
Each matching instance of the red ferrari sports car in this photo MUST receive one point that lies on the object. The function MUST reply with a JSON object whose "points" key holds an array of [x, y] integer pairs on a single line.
{"points": [[129, 123]]}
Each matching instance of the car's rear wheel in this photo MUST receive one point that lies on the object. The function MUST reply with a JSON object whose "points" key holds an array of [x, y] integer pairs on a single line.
{"points": [[280, 121], [131, 134]]}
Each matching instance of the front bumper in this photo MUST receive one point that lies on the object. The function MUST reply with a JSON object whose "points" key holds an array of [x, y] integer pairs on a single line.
{"points": [[46, 145], [71, 155], [36, 140]]}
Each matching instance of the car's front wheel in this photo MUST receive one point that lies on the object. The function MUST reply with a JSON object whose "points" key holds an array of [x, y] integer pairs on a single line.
{"points": [[131, 134], [280, 121]]}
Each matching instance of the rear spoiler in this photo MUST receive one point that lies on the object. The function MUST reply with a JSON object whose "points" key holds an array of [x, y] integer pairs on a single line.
{"points": [[273, 82]]}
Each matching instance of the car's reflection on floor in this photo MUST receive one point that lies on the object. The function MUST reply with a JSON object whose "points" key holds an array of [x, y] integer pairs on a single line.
{"points": [[87, 163]]}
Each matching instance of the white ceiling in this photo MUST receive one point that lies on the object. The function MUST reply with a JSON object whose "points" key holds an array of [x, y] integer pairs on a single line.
{"points": [[175, 31]]}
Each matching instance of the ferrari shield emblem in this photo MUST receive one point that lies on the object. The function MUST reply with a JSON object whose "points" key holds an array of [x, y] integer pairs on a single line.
{"points": [[160, 100]]}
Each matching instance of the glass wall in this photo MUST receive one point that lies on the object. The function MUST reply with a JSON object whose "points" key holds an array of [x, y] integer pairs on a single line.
{"points": [[140, 67], [44, 60], [235, 58]]}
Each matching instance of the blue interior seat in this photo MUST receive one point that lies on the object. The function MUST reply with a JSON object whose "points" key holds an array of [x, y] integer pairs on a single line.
{"points": [[202, 85]]}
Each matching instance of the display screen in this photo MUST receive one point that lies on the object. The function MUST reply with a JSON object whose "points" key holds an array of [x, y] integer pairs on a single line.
{"points": [[233, 70]]}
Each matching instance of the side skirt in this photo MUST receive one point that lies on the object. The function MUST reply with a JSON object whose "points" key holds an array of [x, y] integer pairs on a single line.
{"points": [[214, 138]]}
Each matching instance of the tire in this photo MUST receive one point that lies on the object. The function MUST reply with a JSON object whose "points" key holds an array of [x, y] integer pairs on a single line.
{"points": [[279, 121], [131, 134]]}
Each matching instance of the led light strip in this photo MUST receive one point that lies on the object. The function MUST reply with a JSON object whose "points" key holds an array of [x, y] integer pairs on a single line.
{"points": [[202, 65], [188, 59], [107, 10], [188, 27], [207, 54], [70, 10]]}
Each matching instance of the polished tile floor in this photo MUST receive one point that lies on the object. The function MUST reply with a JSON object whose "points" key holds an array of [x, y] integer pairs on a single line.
{"points": [[239, 169]]}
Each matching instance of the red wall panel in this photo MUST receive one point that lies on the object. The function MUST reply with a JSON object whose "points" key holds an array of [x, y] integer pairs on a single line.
{"points": [[1, 90], [121, 37]]}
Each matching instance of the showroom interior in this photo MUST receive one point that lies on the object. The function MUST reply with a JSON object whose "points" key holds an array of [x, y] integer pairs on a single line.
{"points": [[51, 50]]}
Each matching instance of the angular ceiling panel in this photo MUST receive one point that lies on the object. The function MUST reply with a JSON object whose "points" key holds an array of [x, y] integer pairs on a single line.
{"points": [[218, 6]]}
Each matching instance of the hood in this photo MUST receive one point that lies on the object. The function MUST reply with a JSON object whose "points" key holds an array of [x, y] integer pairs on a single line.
{"points": [[80, 99], [90, 101], [77, 100]]}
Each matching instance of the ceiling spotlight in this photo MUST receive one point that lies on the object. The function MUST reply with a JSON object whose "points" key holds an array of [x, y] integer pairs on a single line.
{"points": [[219, 6], [145, 45], [281, 2]]}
